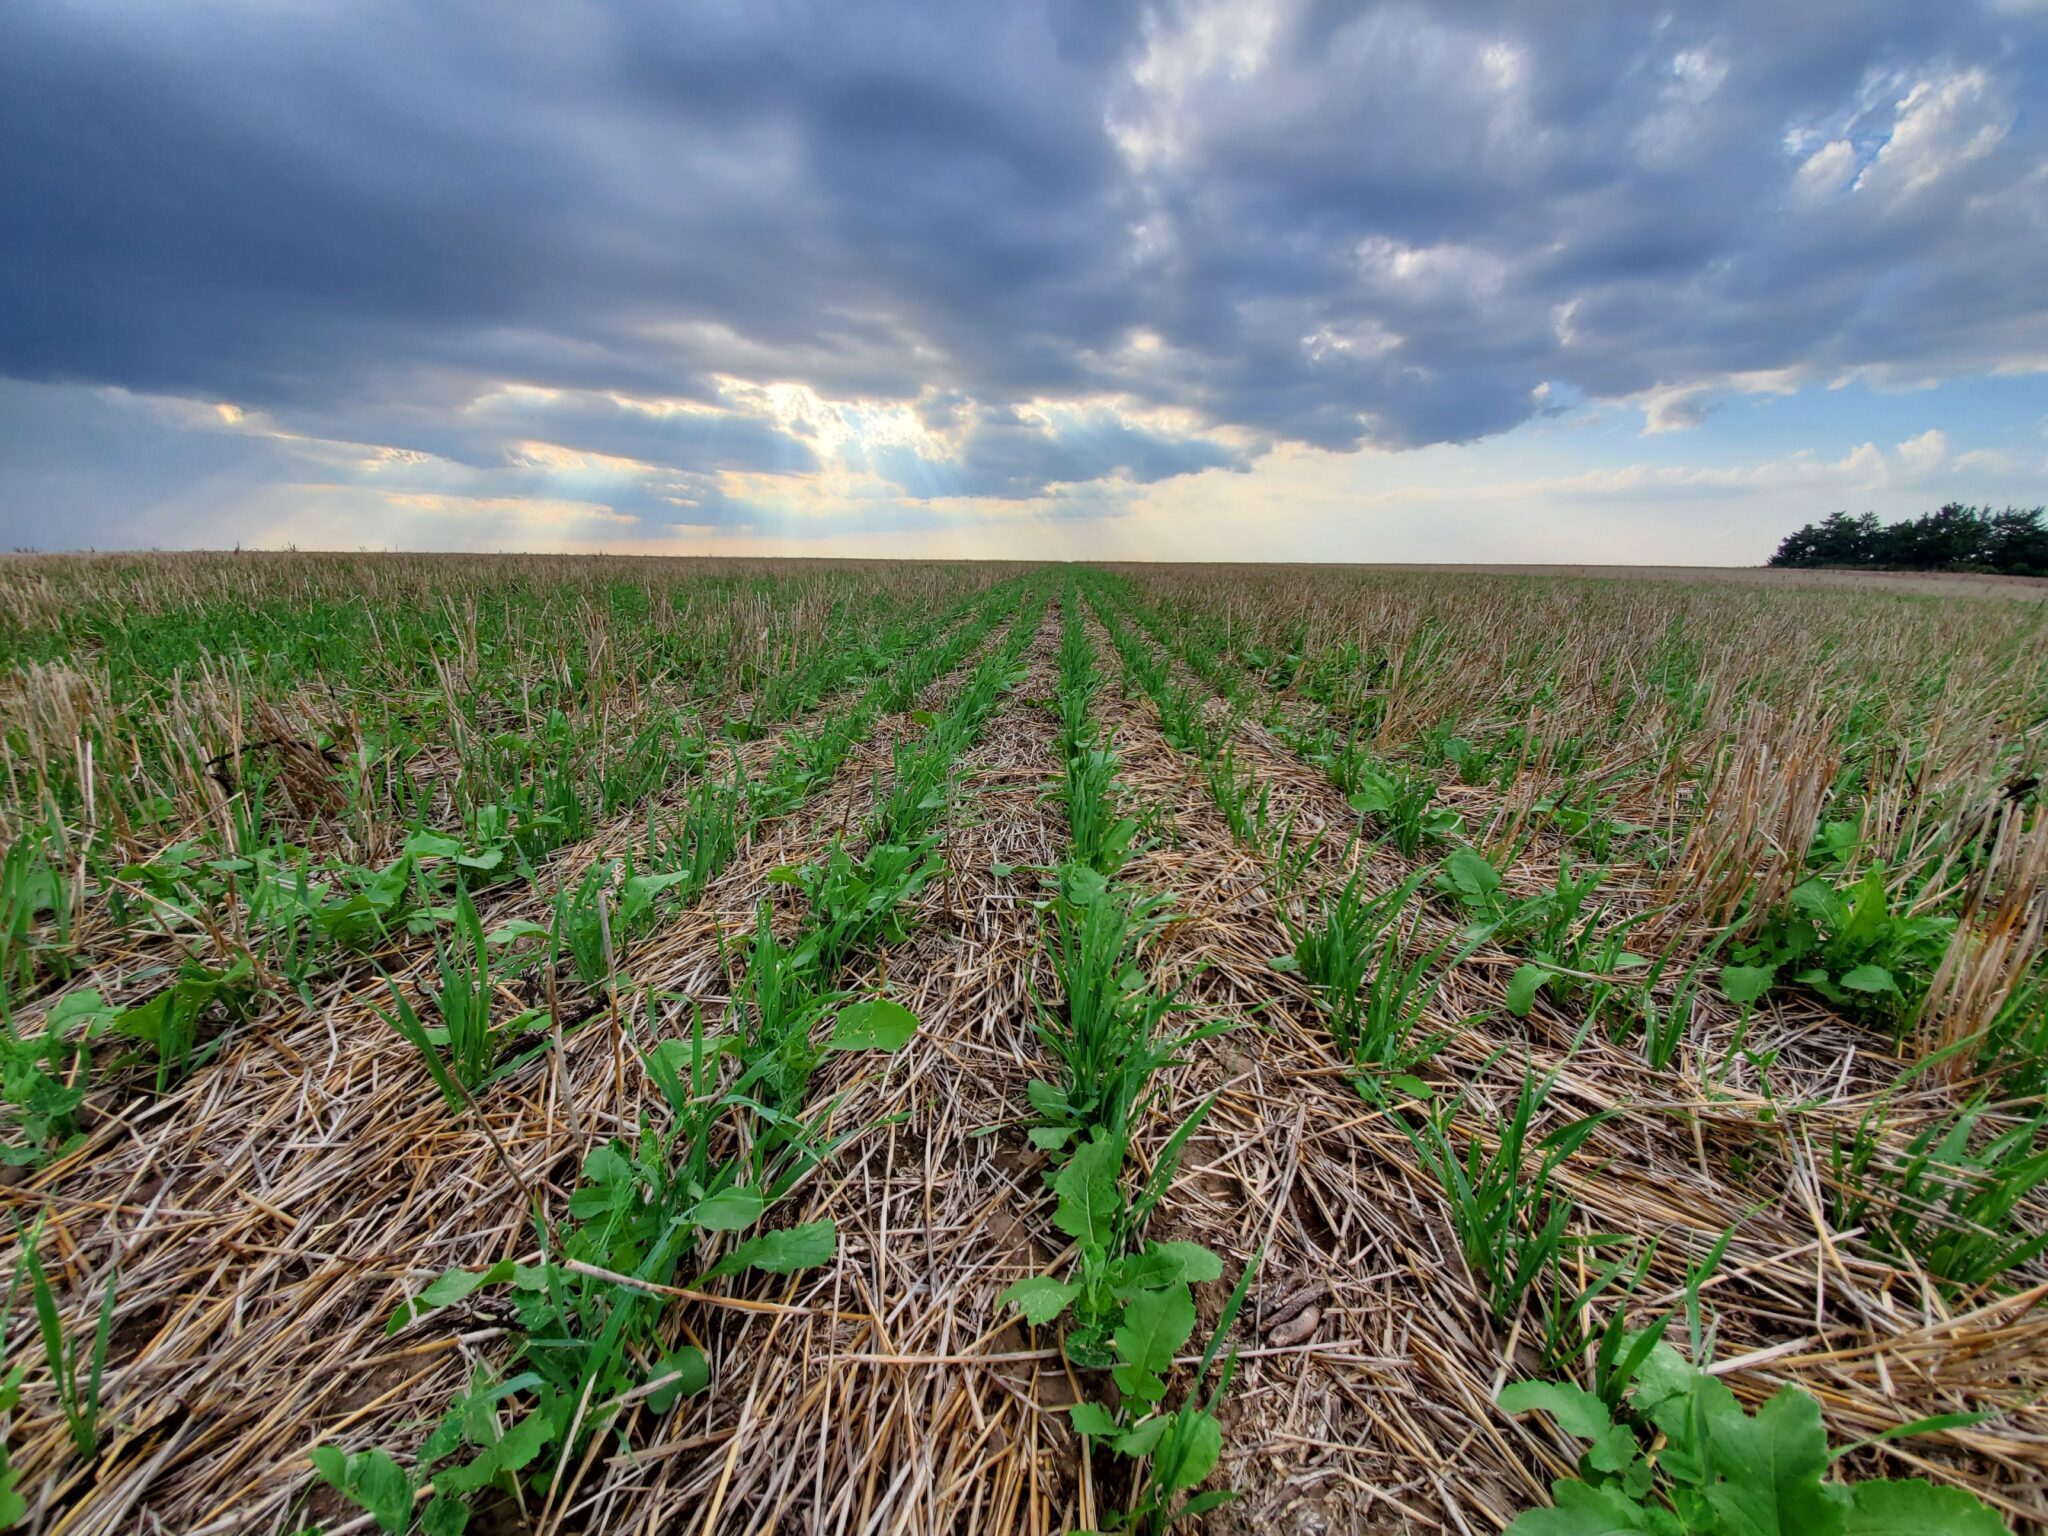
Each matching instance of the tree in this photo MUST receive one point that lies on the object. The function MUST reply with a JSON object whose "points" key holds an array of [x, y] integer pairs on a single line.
{"points": [[2019, 542], [1838, 539], [1953, 537]]}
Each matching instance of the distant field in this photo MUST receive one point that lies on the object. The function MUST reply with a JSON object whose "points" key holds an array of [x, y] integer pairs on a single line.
{"points": [[1920, 583], [625, 1045]]}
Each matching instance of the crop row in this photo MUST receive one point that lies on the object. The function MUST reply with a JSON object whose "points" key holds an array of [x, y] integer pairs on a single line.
{"points": [[1375, 977], [1877, 850], [594, 1327], [1951, 1193], [456, 1014], [1126, 1301]]}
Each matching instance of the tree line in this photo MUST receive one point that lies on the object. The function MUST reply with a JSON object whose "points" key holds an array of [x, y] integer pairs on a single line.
{"points": [[1954, 538]]}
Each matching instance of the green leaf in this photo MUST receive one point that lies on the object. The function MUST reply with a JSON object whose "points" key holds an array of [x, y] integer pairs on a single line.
{"points": [[1870, 978], [1578, 1412], [373, 1480], [1047, 1099], [526, 1440], [874, 1025], [729, 1210], [84, 1004], [1662, 1393], [1143, 1438], [146, 1021], [1470, 875], [1089, 1199], [519, 928], [13, 1507], [1742, 984], [1818, 979], [1091, 1419], [1040, 1298], [1200, 1444], [446, 1290], [1583, 1510], [1867, 909], [1768, 1465], [1164, 1264], [445, 1515], [691, 1370], [607, 1165], [1083, 885], [636, 897], [431, 845], [1915, 1507], [1817, 901], [781, 1253], [1522, 989], [1155, 1325]]}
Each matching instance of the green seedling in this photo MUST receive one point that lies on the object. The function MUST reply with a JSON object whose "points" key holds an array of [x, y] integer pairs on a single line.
{"points": [[1114, 1267], [856, 904], [169, 1022], [1177, 1449], [44, 1079], [76, 1367], [1511, 1225], [1246, 803], [1374, 995], [1680, 1456], [1950, 1197], [1107, 1033], [32, 899], [461, 1052], [1100, 838], [1853, 946], [1401, 803], [375, 1483]]}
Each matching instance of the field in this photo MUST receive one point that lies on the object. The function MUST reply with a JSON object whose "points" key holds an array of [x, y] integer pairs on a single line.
{"points": [[586, 1045]]}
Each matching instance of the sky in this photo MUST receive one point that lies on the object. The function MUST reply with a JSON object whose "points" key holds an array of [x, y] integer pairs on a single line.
{"points": [[1535, 281]]}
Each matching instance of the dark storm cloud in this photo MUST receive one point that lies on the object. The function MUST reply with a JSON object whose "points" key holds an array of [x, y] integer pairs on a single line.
{"points": [[1011, 456], [1338, 223], [492, 428]]}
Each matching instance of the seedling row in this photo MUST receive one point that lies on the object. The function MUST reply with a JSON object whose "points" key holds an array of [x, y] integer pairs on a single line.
{"points": [[1484, 1053]]}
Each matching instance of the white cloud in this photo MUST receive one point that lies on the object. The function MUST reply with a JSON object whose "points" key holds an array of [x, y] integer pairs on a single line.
{"points": [[1362, 338], [1924, 453], [1826, 171], [1671, 136], [1434, 272], [1941, 124], [1154, 122], [1676, 407], [1990, 461]]}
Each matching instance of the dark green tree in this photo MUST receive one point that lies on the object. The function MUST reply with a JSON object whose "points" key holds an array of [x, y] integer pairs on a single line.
{"points": [[1953, 537]]}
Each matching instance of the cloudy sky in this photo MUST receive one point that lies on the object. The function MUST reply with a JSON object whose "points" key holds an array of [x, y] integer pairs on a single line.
{"points": [[1549, 280]]}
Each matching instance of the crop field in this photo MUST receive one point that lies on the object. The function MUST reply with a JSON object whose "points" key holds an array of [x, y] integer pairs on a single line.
{"points": [[525, 1044]]}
